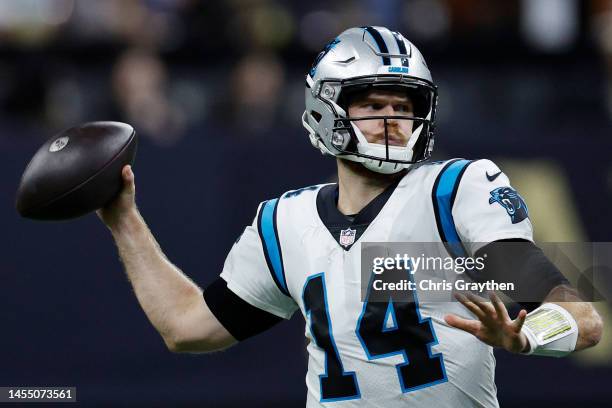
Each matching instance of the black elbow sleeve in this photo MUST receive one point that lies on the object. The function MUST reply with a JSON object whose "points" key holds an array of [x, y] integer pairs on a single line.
{"points": [[524, 265], [238, 317]]}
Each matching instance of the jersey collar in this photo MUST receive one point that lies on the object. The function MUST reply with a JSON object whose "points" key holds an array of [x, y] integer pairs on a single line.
{"points": [[344, 230]]}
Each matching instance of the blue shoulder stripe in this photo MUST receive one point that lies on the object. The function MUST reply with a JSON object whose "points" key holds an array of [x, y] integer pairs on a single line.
{"points": [[443, 197], [268, 232]]}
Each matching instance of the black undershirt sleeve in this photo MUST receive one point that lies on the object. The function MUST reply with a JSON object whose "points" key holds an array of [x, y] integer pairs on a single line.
{"points": [[238, 317], [524, 264]]}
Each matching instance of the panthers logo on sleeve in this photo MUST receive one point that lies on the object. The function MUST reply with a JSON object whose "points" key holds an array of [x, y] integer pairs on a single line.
{"points": [[512, 202]]}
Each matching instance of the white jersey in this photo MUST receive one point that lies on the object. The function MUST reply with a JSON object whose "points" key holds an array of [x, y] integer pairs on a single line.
{"points": [[398, 355]]}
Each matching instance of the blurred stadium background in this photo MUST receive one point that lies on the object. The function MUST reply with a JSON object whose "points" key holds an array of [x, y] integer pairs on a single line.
{"points": [[215, 90]]}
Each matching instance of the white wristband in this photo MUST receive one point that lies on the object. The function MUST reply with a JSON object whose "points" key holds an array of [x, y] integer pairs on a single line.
{"points": [[551, 331]]}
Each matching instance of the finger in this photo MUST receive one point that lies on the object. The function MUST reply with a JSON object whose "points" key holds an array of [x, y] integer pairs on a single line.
{"points": [[475, 297], [520, 320], [499, 306], [485, 306], [128, 179], [467, 325], [470, 306], [127, 173]]}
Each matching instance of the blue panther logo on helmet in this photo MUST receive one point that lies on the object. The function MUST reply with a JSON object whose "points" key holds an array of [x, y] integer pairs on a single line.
{"points": [[514, 204], [323, 53]]}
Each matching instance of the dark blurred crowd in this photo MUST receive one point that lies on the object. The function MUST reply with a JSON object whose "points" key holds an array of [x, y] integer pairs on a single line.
{"points": [[519, 80], [168, 65]]}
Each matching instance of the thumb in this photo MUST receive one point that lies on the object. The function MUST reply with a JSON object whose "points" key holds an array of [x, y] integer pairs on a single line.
{"points": [[128, 179]]}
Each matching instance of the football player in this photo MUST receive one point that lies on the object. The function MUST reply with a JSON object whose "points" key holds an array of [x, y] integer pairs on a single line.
{"points": [[371, 103]]}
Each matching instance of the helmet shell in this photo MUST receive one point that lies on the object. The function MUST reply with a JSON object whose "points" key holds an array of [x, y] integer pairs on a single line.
{"points": [[367, 56]]}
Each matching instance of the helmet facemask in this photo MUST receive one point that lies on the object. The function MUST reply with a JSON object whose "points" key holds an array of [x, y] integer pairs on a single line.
{"points": [[396, 142]]}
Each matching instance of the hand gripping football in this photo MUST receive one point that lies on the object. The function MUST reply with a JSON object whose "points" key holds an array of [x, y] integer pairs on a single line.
{"points": [[76, 171]]}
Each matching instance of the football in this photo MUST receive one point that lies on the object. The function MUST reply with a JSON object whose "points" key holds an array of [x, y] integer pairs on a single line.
{"points": [[76, 171]]}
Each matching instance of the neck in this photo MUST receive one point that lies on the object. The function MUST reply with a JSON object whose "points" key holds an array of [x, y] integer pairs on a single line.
{"points": [[357, 186]]}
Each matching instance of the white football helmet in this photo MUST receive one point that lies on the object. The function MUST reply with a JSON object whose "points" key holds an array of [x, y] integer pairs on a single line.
{"points": [[358, 60]]}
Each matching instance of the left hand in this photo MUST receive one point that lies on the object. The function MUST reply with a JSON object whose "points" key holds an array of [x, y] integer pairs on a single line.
{"points": [[493, 327]]}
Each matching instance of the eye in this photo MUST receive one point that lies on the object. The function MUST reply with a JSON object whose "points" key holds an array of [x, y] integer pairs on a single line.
{"points": [[404, 107]]}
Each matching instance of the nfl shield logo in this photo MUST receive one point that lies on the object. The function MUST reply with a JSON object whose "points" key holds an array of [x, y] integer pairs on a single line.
{"points": [[347, 237]]}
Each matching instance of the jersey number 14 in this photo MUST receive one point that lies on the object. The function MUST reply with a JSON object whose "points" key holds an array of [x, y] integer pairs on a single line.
{"points": [[408, 335]]}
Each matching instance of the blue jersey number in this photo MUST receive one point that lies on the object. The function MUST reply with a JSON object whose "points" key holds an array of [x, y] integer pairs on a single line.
{"points": [[394, 327]]}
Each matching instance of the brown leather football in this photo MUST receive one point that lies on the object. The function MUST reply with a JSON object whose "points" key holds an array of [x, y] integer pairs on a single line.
{"points": [[76, 171]]}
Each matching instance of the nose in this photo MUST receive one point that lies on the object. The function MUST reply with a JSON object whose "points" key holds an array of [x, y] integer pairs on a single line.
{"points": [[388, 110]]}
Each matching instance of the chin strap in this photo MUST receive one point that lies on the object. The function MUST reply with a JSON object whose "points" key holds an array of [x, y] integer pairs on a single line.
{"points": [[414, 138]]}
